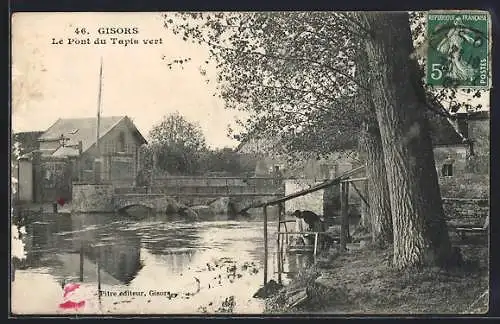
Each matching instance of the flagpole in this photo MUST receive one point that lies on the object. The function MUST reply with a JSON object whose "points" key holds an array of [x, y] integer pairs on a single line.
{"points": [[99, 110], [98, 162], [97, 249]]}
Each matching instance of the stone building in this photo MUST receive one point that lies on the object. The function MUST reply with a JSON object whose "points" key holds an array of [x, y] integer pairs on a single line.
{"points": [[67, 152], [464, 168], [22, 143]]}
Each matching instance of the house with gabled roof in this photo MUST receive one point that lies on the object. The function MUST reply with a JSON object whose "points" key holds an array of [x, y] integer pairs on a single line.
{"points": [[68, 149]]}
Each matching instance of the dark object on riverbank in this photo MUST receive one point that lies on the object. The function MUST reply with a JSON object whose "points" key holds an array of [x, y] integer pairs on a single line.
{"points": [[311, 218], [269, 289], [315, 224]]}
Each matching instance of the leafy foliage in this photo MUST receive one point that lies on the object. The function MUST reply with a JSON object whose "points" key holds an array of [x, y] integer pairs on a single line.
{"points": [[288, 72], [295, 73], [175, 145], [178, 147], [227, 161]]}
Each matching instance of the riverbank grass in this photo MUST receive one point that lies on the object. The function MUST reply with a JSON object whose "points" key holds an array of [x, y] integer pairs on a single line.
{"points": [[361, 281]]}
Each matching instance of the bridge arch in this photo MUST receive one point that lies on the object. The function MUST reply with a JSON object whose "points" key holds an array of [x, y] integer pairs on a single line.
{"points": [[128, 205], [125, 202]]}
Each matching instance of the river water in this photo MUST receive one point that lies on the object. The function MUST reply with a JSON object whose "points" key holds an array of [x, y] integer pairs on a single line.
{"points": [[157, 265]]}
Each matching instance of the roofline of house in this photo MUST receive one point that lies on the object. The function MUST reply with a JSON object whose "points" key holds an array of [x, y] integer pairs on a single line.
{"points": [[465, 145], [127, 119], [51, 126], [475, 115], [101, 136], [43, 140], [130, 123], [26, 156], [29, 132]]}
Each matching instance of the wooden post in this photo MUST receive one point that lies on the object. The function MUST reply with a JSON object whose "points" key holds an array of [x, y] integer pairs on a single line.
{"points": [[81, 262], [315, 243], [343, 216], [265, 244], [98, 252], [285, 239], [12, 271], [286, 228], [78, 165], [346, 197], [278, 249]]}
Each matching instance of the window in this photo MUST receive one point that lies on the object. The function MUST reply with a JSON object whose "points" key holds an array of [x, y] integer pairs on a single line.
{"points": [[447, 170], [463, 127], [121, 142]]}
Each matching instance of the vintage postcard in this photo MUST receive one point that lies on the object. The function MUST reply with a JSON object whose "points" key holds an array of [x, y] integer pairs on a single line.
{"points": [[209, 163]]}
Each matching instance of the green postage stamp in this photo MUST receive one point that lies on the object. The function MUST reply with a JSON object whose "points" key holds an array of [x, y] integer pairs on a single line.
{"points": [[459, 49]]}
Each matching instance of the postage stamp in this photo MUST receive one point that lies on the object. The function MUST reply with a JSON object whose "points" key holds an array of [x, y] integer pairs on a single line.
{"points": [[459, 49]]}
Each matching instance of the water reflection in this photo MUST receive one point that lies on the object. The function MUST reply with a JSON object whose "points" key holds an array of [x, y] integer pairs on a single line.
{"points": [[200, 263]]}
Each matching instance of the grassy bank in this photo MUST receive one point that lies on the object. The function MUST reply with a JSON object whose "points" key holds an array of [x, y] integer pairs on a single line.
{"points": [[361, 281]]}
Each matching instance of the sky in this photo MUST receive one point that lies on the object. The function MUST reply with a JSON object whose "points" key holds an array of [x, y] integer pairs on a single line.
{"points": [[52, 81]]}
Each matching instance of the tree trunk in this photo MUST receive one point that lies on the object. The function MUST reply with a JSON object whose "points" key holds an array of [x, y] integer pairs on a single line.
{"points": [[378, 188], [420, 235], [365, 222]]}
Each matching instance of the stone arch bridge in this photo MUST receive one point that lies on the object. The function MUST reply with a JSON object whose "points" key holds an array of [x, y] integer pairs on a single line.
{"points": [[161, 203], [155, 202]]}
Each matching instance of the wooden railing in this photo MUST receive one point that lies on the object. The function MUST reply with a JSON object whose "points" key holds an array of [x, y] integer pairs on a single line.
{"points": [[343, 180]]}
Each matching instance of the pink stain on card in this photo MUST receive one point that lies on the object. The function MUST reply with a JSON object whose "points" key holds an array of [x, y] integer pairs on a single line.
{"points": [[69, 289], [71, 304]]}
